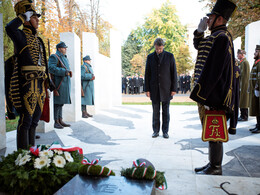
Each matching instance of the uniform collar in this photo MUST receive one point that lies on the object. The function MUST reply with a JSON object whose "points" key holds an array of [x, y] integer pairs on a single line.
{"points": [[29, 29], [85, 63], [217, 28], [60, 54]]}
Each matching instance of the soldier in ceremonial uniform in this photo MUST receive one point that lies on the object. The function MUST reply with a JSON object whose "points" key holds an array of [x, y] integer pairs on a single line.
{"points": [[27, 85], [244, 80], [254, 87], [59, 67], [216, 76], [87, 81]]}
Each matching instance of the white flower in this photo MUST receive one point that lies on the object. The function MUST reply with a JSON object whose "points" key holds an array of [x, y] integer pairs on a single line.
{"points": [[68, 157], [59, 161], [24, 160], [46, 153], [58, 152], [41, 162], [17, 161]]}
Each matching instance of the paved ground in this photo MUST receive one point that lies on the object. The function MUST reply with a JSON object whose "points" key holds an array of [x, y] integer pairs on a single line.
{"points": [[122, 134], [142, 98]]}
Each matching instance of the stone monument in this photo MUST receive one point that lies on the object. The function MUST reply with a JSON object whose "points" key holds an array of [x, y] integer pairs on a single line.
{"points": [[2, 89], [252, 38]]}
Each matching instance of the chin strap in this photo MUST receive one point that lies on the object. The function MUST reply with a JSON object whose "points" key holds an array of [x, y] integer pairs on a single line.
{"points": [[214, 22]]}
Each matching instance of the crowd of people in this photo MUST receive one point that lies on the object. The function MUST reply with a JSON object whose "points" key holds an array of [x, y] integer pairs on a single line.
{"points": [[135, 84], [132, 84]]}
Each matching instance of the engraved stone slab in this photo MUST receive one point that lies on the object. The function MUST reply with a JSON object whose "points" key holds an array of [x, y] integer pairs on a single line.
{"points": [[80, 185]]}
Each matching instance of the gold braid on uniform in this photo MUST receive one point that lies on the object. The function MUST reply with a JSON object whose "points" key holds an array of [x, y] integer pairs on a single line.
{"points": [[34, 94], [228, 98]]}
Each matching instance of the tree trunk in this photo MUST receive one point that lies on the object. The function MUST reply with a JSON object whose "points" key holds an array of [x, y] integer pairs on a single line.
{"points": [[58, 10]]}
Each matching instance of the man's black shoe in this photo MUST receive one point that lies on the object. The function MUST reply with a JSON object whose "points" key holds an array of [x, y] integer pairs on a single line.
{"points": [[198, 169], [211, 170], [37, 137], [256, 131], [165, 135], [155, 135], [242, 119]]}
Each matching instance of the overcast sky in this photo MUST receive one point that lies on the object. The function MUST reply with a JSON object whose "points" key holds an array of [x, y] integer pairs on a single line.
{"points": [[126, 15]]}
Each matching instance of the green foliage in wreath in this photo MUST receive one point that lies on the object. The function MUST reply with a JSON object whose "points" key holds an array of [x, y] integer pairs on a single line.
{"points": [[95, 170], [149, 175], [28, 179]]}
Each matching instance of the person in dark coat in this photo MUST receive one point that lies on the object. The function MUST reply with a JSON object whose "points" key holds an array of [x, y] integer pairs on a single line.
{"points": [[244, 81], [60, 69], [254, 83], [132, 85], [141, 82], [30, 76], [187, 81], [137, 84], [160, 85], [87, 82], [124, 84], [216, 85], [182, 83]]}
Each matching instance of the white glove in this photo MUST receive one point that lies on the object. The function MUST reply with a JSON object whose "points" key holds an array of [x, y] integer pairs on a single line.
{"points": [[206, 107], [256, 93], [202, 25], [28, 15]]}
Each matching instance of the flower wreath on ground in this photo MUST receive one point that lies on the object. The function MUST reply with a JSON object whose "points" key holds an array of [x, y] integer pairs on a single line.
{"points": [[143, 169], [42, 169]]}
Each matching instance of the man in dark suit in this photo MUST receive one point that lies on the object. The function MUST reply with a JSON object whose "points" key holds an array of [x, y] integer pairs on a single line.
{"points": [[160, 85]]}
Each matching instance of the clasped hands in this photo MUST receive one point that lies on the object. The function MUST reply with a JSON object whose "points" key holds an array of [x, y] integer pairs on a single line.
{"points": [[149, 95]]}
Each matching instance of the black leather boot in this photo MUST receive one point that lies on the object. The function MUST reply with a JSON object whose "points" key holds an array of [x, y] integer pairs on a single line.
{"points": [[198, 169], [84, 114], [57, 125], [89, 115], [22, 139], [63, 124], [32, 136], [215, 159]]}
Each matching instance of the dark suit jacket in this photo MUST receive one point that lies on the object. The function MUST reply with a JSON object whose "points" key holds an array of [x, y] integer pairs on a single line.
{"points": [[160, 76]]}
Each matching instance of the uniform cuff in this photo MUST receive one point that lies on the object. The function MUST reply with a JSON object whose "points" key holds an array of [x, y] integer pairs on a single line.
{"points": [[22, 17]]}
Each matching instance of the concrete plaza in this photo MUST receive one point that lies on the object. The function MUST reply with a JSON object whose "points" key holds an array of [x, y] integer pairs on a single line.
{"points": [[123, 134]]}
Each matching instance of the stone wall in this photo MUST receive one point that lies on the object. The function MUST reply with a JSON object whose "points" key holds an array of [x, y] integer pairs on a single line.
{"points": [[252, 38], [2, 97]]}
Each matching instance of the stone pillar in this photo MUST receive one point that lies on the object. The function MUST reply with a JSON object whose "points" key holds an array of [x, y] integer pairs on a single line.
{"points": [[237, 45], [2, 89], [252, 38], [115, 55], [72, 112]]}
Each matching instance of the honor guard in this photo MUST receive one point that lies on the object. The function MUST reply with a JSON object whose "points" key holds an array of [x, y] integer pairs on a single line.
{"points": [[216, 76], [243, 83], [87, 83], [254, 88], [27, 84], [60, 69]]}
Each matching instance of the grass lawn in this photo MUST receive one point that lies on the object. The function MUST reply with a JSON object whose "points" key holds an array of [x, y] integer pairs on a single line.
{"points": [[11, 124]]}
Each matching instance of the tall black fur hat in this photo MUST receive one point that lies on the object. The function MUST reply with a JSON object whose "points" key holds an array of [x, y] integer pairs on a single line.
{"points": [[224, 8]]}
